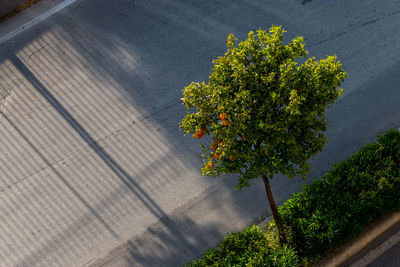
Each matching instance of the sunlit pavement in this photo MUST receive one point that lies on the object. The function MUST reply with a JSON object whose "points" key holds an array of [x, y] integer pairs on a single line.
{"points": [[93, 167]]}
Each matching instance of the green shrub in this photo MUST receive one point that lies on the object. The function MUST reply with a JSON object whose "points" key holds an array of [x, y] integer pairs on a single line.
{"points": [[336, 208], [251, 247], [325, 214]]}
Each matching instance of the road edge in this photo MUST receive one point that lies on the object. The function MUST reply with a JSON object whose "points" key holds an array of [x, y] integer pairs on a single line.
{"points": [[370, 233], [29, 17]]}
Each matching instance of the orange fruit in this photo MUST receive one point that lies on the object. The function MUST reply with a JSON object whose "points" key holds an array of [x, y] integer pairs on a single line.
{"points": [[222, 116], [199, 133], [225, 122], [216, 156]]}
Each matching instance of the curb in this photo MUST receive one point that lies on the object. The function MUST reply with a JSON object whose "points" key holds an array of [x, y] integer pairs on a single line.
{"points": [[29, 17], [348, 250], [14, 7]]}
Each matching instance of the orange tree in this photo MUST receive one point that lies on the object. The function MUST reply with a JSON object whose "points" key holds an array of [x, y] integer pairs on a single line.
{"points": [[263, 110]]}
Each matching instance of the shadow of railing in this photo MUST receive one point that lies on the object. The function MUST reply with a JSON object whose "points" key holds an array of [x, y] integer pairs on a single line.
{"points": [[114, 166]]}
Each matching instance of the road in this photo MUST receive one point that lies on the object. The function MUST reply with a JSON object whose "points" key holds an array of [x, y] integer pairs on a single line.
{"points": [[391, 258], [93, 167]]}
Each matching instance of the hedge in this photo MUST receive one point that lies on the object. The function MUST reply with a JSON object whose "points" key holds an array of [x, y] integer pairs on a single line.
{"points": [[251, 247], [325, 214], [336, 208]]}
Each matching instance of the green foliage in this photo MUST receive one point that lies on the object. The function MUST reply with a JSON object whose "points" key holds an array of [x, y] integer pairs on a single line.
{"points": [[325, 214], [264, 111], [251, 247], [337, 207]]}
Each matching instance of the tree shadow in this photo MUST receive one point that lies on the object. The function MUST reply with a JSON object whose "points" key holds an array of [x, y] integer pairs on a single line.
{"points": [[162, 247]]}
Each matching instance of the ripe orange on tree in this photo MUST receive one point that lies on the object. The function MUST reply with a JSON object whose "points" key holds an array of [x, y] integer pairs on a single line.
{"points": [[210, 165], [199, 133]]}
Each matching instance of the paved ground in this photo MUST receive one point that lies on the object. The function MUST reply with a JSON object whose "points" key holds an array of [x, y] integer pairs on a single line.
{"points": [[391, 258], [93, 167], [382, 251]]}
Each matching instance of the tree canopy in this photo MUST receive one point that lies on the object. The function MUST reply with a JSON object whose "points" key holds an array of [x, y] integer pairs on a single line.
{"points": [[264, 111]]}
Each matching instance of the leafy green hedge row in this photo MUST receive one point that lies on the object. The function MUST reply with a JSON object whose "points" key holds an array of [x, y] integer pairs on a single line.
{"points": [[251, 247], [334, 209], [325, 214]]}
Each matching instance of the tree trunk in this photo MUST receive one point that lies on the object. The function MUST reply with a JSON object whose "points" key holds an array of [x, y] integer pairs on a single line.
{"points": [[282, 236]]}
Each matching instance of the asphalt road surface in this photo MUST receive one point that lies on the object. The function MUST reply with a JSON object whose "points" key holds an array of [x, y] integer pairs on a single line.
{"points": [[93, 168], [391, 258]]}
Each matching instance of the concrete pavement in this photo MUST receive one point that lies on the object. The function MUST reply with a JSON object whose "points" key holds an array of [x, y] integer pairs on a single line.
{"points": [[93, 169]]}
